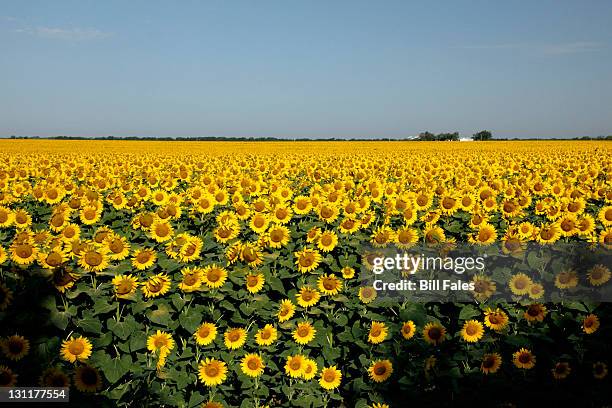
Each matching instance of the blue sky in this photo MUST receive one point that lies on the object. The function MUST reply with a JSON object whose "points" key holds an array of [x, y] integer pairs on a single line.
{"points": [[305, 68]]}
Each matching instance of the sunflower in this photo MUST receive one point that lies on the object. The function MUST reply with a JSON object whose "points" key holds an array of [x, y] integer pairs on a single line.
{"points": [[568, 225], [226, 232], [286, 310], [561, 370], [367, 294], [585, 225], [378, 405], [63, 278], [160, 341], [192, 279], [382, 236], [536, 291], [125, 286], [566, 279], [235, 338], [605, 216], [54, 377], [212, 404], [159, 197], [191, 250], [304, 333], [605, 238], [294, 366], [23, 253], [431, 217], [309, 369], [307, 259], [212, 372], [590, 324], [434, 235], [406, 237], [349, 226], [58, 221], [75, 349], [144, 258], [278, 236], [485, 235], [327, 241], [214, 276], [313, 234], [251, 254], [490, 363], [282, 214], [328, 213], [22, 219], [548, 233], [15, 347], [472, 331], [302, 205], [434, 333], [6, 217], [259, 222], [205, 204], [90, 215], [423, 201], [448, 204], [7, 377], [330, 378], [266, 335], [495, 319], [524, 359], [348, 272], [118, 247], [6, 297], [307, 296], [155, 286], [255, 282], [380, 370], [252, 365], [598, 275], [512, 243], [54, 258], [378, 332], [520, 283], [3, 255], [600, 370], [408, 329], [205, 334], [478, 219], [329, 284], [535, 312]]}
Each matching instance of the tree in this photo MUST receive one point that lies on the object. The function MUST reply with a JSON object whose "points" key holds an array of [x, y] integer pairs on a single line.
{"points": [[427, 136], [448, 136], [482, 135]]}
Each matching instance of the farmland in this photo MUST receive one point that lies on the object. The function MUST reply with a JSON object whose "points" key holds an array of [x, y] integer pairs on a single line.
{"points": [[224, 274]]}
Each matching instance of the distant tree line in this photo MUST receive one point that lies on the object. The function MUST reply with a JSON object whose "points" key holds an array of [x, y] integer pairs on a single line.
{"points": [[483, 135], [430, 137]]}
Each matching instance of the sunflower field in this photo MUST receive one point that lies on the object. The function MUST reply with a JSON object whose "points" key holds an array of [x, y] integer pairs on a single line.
{"points": [[226, 274]]}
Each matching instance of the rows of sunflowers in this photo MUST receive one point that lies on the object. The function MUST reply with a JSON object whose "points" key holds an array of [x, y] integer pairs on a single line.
{"points": [[222, 274]]}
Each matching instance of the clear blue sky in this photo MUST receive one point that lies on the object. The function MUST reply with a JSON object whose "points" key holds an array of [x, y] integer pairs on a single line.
{"points": [[305, 68]]}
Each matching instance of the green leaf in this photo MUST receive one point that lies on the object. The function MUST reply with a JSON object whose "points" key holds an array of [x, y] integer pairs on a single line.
{"points": [[195, 400], [160, 316], [276, 284], [468, 311], [122, 329], [190, 321], [60, 319], [116, 368], [90, 325], [178, 302]]}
